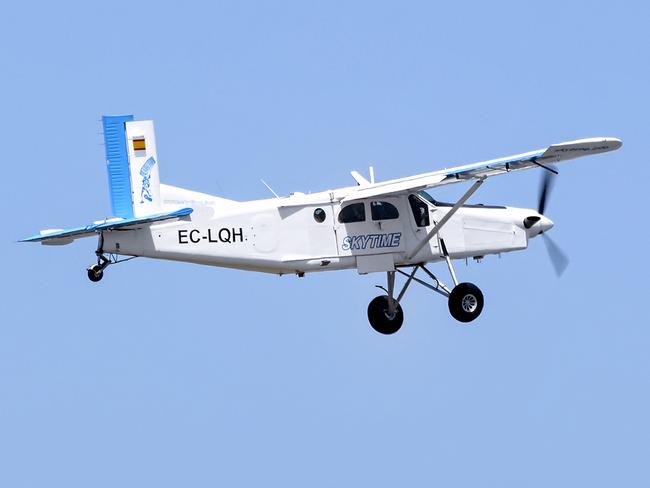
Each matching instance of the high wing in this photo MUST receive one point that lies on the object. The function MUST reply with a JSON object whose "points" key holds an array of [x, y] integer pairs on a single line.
{"points": [[66, 236], [552, 154]]}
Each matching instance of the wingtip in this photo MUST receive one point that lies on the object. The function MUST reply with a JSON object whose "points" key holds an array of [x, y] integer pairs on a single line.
{"points": [[29, 239], [591, 145], [615, 142]]}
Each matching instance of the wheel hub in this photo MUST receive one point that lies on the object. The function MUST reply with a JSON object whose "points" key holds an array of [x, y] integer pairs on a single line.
{"points": [[469, 303]]}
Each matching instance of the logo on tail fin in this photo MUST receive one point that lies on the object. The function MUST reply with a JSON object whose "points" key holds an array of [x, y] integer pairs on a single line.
{"points": [[145, 172]]}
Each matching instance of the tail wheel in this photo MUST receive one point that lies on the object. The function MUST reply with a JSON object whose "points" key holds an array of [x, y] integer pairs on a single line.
{"points": [[95, 273], [465, 302], [381, 320]]}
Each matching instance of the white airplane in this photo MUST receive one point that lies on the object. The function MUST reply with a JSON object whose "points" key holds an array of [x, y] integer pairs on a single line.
{"points": [[392, 227]]}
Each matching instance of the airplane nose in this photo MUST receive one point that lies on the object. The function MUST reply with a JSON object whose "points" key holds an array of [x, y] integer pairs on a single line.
{"points": [[537, 224], [545, 224]]}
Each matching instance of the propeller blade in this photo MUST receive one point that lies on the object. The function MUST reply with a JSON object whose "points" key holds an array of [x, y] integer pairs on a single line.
{"points": [[545, 190], [559, 260]]}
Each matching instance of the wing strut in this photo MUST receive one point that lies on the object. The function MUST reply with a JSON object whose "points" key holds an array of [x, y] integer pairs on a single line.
{"points": [[547, 168], [436, 228]]}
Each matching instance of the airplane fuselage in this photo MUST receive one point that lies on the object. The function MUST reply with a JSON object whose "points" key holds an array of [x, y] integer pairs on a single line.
{"points": [[306, 233]]}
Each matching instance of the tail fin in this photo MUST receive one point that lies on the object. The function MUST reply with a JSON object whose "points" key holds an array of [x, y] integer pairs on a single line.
{"points": [[132, 162]]}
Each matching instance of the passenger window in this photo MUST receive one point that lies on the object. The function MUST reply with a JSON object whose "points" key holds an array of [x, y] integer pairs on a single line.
{"points": [[420, 211], [319, 215], [354, 212], [383, 211]]}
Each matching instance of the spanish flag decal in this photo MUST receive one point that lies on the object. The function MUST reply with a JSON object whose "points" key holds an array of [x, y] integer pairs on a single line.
{"points": [[139, 144]]}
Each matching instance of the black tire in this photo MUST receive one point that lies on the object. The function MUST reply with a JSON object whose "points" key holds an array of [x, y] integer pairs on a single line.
{"points": [[95, 273], [379, 318], [465, 302]]}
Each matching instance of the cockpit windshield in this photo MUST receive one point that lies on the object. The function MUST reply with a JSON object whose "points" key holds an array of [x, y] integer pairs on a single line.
{"points": [[427, 197]]}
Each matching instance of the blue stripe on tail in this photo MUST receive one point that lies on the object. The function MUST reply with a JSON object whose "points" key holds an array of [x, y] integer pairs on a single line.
{"points": [[117, 162]]}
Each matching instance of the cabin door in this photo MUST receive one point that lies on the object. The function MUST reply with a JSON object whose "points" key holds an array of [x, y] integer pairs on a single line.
{"points": [[369, 227]]}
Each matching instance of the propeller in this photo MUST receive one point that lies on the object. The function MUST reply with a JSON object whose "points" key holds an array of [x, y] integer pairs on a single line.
{"points": [[558, 258], [545, 188]]}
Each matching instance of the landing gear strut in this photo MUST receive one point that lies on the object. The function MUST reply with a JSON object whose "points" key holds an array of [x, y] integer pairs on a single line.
{"points": [[465, 300], [96, 271]]}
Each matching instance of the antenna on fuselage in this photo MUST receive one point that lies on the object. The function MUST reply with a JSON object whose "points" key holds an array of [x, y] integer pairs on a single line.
{"points": [[270, 189], [371, 170]]}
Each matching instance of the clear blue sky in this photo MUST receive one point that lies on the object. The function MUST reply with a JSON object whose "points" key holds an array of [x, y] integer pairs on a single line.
{"points": [[168, 374]]}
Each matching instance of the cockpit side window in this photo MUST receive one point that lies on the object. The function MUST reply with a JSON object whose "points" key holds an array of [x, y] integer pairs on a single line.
{"points": [[420, 211], [355, 212], [383, 211]]}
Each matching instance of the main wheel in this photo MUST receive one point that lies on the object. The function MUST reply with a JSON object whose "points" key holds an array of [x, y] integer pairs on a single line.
{"points": [[465, 302], [95, 273], [379, 318]]}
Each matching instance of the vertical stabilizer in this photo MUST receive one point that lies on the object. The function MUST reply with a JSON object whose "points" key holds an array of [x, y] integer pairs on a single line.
{"points": [[143, 162], [132, 163]]}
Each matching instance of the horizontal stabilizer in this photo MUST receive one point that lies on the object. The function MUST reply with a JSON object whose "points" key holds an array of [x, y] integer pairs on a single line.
{"points": [[66, 236]]}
